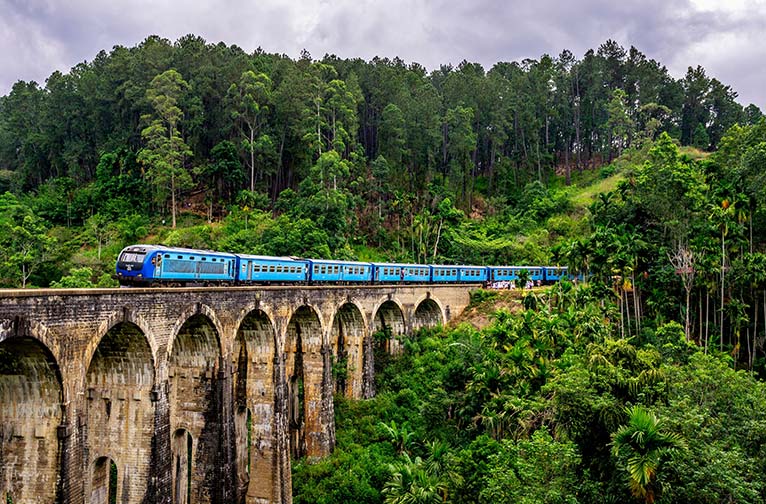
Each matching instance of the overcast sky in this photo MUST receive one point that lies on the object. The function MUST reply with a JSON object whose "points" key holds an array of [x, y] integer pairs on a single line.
{"points": [[727, 37]]}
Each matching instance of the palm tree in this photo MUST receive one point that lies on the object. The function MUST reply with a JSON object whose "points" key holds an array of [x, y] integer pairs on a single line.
{"points": [[400, 436], [415, 482], [642, 443]]}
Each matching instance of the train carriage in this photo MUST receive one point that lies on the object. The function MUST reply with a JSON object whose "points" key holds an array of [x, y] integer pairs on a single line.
{"points": [[265, 269], [441, 273], [556, 273], [511, 273], [406, 273], [326, 270], [472, 274]]}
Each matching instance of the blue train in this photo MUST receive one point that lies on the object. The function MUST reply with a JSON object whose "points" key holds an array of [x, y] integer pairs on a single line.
{"points": [[152, 265]]}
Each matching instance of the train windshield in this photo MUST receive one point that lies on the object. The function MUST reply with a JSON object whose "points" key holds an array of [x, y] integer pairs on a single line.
{"points": [[132, 257]]}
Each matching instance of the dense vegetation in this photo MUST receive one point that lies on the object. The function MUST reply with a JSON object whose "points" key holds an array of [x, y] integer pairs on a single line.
{"points": [[549, 406], [644, 383]]}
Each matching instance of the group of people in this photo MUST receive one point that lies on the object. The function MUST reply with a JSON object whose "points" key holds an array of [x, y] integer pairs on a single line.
{"points": [[511, 285]]}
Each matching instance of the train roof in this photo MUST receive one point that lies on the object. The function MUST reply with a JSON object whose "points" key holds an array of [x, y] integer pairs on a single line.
{"points": [[518, 267], [456, 266], [163, 248], [340, 263], [272, 258], [399, 265]]}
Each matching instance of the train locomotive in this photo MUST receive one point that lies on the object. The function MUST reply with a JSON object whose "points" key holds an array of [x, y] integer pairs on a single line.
{"points": [[157, 265]]}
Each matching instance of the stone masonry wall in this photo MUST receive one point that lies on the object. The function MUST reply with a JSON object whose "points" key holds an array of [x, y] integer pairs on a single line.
{"points": [[187, 391]]}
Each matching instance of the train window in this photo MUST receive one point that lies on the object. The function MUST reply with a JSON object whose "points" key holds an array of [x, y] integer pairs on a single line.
{"points": [[204, 258], [271, 269], [180, 257], [191, 258], [279, 269], [167, 256]]}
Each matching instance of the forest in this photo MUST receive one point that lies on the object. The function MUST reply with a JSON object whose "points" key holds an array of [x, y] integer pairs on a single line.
{"points": [[643, 384]]}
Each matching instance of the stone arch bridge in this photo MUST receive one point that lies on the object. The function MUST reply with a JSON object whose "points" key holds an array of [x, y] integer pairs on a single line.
{"points": [[189, 395]]}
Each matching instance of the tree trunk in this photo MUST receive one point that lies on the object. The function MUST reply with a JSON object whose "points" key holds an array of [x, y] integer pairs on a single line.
{"points": [[688, 299], [707, 318], [173, 198], [723, 277], [252, 160]]}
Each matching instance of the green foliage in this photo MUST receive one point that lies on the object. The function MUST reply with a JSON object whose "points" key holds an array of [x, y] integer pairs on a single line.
{"points": [[196, 237], [721, 414], [480, 296], [78, 278], [538, 469], [640, 446], [25, 245]]}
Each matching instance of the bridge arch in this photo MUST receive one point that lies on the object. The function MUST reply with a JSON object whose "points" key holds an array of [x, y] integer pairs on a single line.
{"points": [[23, 327], [347, 333], [196, 386], [119, 407], [191, 312], [30, 450], [389, 319], [103, 480], [253, 362], [126, 315], [428, 313]]}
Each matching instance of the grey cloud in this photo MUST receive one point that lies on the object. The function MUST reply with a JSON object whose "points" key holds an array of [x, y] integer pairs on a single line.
{"points": [[51, 35]]}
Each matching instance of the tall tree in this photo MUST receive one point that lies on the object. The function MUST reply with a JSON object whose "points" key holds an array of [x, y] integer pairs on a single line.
{"points": [[251, 104], [165, 150]]}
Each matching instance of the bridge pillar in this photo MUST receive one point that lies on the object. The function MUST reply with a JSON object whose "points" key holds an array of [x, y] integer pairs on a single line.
{"points": [[327, 407], [368, 371], [282, 475], [161, 475]]}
